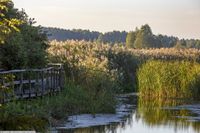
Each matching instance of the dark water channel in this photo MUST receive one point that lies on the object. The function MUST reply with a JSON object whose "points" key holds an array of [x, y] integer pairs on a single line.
{"points": [[134, 115]]}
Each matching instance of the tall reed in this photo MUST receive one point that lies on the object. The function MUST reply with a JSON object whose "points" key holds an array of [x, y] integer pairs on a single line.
{"points": [[169, 79]]}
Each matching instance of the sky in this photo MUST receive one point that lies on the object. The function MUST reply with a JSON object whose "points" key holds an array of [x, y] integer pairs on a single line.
{"points": [[179, 18]]}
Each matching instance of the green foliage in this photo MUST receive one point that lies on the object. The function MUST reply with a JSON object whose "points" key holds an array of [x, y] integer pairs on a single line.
{"points": [[169, 79], [12, 53], [114, 37], [125, 64], [75, 34], [35, 45], [167, 41], [111, 66], [25, 123], [24, 49], [4, 90], [37, 114], [7, 23], [145, 38], [180, 44], [78, 34], [130, 39]]}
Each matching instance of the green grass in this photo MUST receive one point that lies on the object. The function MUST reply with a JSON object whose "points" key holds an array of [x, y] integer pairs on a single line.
{"points": [[169, 79]]}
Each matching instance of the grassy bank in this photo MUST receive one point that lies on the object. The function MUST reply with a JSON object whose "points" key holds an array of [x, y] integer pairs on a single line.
{"points": [[39, 114], [169, 79]]}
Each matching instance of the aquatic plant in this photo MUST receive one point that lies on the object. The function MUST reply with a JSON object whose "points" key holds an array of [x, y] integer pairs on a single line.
{"points": [[169, 79]]}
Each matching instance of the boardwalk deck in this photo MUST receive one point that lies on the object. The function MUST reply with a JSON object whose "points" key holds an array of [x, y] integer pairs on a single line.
{"points": [[31, 83]]}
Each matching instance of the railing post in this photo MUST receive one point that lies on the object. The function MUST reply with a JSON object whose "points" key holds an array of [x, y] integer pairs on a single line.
{"points": [[54, 80], [47, 81], [51, 80], [30, 86], [21, 86], [60, 78], [42, 83], [37, 84], [57, 89], [2, 90]]}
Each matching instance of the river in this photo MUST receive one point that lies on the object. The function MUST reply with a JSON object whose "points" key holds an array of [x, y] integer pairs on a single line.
{"points": [[134, 115]]}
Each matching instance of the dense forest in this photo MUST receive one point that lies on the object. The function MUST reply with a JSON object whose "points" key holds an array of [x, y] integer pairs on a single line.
{"points": [[140, 38]]}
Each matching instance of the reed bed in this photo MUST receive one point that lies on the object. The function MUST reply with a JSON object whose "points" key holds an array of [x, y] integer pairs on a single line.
{"points": [[83, 60], [168, 54], [169, 79], [118, 63], [191, 54]]}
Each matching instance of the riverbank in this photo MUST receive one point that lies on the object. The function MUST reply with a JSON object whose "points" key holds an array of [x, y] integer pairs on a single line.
{"points": [[136, 114], [48, 111], [125, 104]]}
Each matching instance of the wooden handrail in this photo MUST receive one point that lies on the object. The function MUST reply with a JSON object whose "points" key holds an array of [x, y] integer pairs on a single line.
{"points": [[26, 70], [30, 83]]}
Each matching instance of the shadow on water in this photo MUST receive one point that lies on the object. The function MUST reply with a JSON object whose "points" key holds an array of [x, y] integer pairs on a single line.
{"points": [[172, 115]]}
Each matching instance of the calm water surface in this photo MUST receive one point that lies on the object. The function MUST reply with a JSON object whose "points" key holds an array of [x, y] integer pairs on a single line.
{"points": [[135, 115]]}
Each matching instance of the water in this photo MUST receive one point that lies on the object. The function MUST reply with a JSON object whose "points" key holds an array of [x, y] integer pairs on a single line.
{"points": [[134, 115]]}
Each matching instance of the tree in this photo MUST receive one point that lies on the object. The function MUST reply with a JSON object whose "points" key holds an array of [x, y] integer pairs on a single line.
{"points": [[24, 49], [166, 41], [145, 38], [130, 39], [180, 44], [113, 37], [7, 23]]}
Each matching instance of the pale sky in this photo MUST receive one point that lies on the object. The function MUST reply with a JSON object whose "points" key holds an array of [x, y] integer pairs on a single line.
{"points": [[179, 18]]}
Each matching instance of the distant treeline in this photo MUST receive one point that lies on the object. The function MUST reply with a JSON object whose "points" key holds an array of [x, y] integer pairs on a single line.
{"points": [[144, 38], [139, 38], [78, 34]]}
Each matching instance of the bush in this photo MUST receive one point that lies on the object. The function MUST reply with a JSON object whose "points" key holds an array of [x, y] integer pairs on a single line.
{"points": [[125, 65]]}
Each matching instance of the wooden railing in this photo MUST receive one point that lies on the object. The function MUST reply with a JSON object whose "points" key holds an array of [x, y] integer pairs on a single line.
{"points": [[31, 83]]}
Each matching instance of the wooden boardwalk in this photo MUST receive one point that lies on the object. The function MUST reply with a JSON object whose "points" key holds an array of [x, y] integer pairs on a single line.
{"points": [[31, 83]]}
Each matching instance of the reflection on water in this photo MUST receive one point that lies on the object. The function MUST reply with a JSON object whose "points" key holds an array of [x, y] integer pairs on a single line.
{"points": [[150, 116], [167, 113]]}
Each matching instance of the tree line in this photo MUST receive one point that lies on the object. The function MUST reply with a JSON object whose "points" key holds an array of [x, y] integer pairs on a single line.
{"points": [[139, 38], [60, 34], [144, 38]]}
